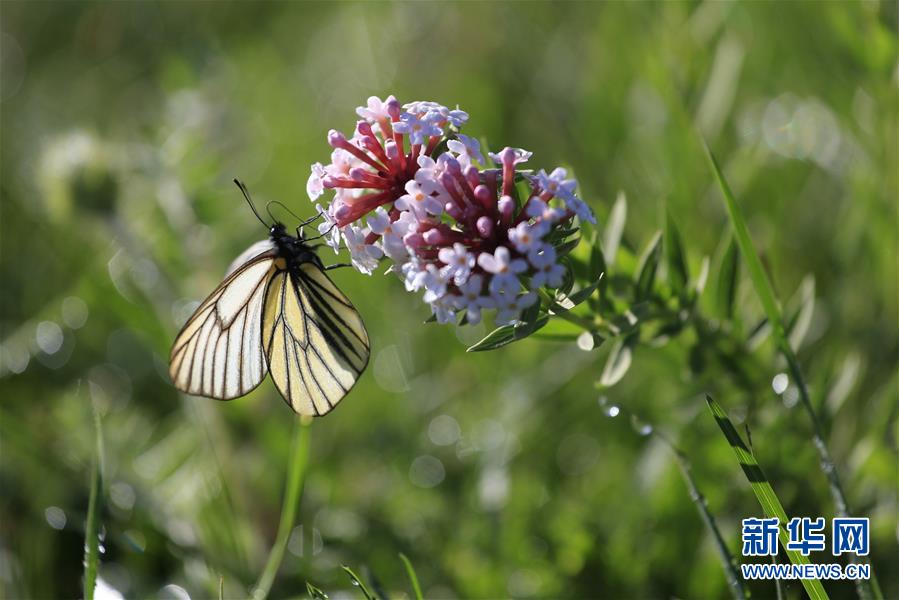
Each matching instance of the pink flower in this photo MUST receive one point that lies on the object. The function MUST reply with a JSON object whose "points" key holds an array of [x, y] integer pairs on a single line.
{"points": [[408, 186]]}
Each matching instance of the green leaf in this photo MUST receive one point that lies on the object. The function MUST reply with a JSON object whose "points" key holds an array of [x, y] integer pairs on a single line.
{"points": [[359, 583], [728, 277], [563, 302], [648, 266], [502, 336], [803, 310], [597, 261], [675, 259], [413, 578], [757, 273], [869, 588], [315, 593], [618, 361], [566, 247], [611, 238], [567, 277], [763, 492], [702, 277]]}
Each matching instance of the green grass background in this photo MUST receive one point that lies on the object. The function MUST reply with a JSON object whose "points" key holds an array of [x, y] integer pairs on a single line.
{"points": [[122, 126]]}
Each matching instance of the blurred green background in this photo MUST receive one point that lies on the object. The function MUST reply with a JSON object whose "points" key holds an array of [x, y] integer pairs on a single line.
{"points": [[498, 473]]}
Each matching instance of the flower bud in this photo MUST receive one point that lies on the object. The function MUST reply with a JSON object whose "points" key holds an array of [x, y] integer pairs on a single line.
{"points": [[336, 139]]}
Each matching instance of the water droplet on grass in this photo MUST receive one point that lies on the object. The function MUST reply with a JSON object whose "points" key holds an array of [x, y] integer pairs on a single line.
{"points": [[640, 426], [780, 383]]}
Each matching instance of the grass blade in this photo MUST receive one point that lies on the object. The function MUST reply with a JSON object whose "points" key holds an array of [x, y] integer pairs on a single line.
{"points": [[413, 578], [764, 492], [648, 266], [92, 533], [614, 229], [357, 581], [728, 563], [299, 459], [867, 588], [675, 255]]}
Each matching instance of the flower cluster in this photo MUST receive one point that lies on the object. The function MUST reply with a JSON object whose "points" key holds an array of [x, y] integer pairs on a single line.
{"points": [[410, 187]]}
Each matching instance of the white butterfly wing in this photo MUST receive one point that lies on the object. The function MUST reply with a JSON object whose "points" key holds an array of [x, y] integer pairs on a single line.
{"points": [[315, 342], [218, 352]]}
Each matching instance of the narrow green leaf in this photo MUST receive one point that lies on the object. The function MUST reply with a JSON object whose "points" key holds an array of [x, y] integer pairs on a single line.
{"points": [[702, 277], [803, 310], [648, 266], [867, 588], [597, 264], [614, 228], [753, 263], [565, 248], [563, 303], [359, 583], [763, 492], [413, 578], [618, 362], [315, 593], [728, 562], [568, 277], [728, 277], [675, 259], [506, 334]]}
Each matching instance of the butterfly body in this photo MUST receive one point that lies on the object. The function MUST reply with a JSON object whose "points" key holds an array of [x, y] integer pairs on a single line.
{"points": [[276, 312], [293, 249]]}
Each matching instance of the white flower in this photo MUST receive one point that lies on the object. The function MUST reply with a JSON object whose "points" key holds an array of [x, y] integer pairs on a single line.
{"points": [[433, 282], [442, 114], [509, 306], [467, 149], [471, 299], [458, 261], [314, 186], [392, 232], [547, 271], [519, 155], [555, 183], [363, 256], [538, 209], [328, 228], [417, 129], [409, 271], [375, 110], [419, 201], [526, 237], [580, 208], [505, 270], [420, 107], [444, 308]]}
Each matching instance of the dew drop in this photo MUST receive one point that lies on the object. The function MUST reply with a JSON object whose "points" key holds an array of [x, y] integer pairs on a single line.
{"points": [[640, 426], [780, 383]]}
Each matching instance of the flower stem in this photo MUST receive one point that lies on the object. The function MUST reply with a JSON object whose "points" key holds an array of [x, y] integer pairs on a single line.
{"points": [[91, 533], [296, 475], [728, 563]]}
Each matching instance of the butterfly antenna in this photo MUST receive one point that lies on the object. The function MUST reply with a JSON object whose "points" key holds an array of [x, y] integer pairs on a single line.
{"points": [[246, 195], [281, 204], [323, 234]]}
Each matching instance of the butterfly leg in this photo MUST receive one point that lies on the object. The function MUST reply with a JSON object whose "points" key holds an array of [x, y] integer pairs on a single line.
{"points": [[337, 266]]}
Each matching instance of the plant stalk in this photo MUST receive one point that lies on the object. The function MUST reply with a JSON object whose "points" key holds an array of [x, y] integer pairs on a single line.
{"points": [[296, 475]]}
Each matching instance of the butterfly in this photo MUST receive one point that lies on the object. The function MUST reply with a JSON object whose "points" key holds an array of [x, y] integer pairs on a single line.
{"points": [[276, 312]]}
